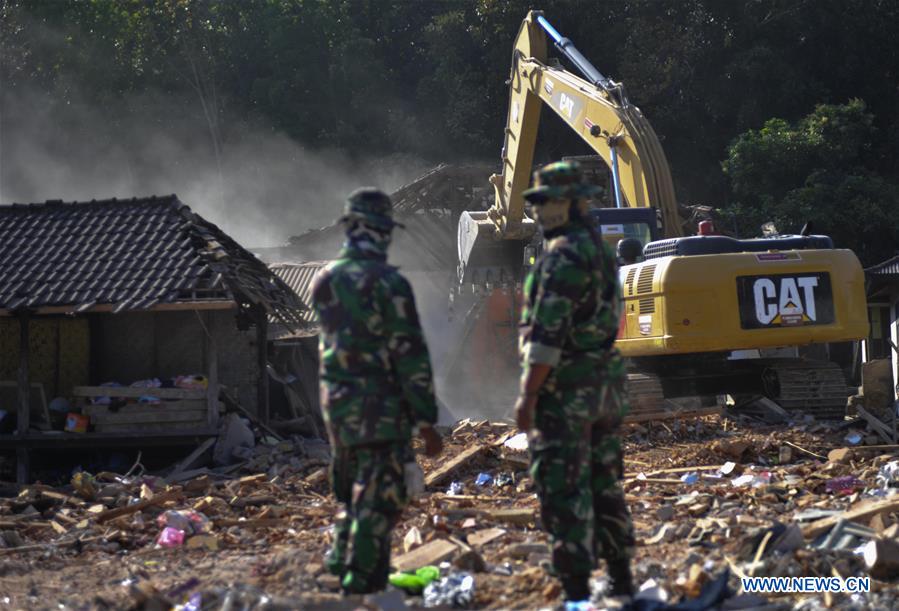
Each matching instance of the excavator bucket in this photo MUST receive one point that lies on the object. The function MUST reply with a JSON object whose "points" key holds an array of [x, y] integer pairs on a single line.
{"points": [[485, 259]]}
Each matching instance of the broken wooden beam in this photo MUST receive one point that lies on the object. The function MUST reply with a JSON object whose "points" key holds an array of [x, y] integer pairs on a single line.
{"points": [[431, 553], [860, 512], [158, 499], [449, 468]]}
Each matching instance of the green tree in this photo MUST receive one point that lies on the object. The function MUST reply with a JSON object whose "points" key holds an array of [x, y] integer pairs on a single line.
{"points": [[826, 168]]}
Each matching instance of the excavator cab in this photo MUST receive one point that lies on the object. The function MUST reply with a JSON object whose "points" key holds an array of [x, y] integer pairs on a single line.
{"points": [[616, 224]]}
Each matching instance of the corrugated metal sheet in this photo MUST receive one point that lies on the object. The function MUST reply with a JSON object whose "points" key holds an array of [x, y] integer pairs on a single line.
{"points": [[299, 277], [890, 267]]}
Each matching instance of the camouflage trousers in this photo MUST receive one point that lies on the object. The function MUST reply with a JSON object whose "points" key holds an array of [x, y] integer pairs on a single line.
{"points": [[576, 464], [369, 481]]}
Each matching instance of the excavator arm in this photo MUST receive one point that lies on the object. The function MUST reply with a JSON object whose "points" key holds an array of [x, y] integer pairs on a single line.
{"points": [[598, 110]]}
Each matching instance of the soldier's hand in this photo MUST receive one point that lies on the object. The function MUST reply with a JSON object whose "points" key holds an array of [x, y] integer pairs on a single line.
{"points": [[433, 441], [524, 411]]}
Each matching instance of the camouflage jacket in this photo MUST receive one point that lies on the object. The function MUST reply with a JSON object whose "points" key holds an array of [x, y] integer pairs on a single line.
{"points": [[572, 305], [375, 368]]}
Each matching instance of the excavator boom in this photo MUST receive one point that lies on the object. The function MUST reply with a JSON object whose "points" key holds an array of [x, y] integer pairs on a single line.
{"points": [[598, 110]]}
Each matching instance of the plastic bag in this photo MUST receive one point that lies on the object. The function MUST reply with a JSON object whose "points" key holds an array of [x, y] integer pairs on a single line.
{"points": [[170, 537], [414, 583], [455, 590], [190, 521]]}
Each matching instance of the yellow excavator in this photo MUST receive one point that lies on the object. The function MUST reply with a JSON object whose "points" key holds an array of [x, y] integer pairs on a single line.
{"points": [[704, 314]]}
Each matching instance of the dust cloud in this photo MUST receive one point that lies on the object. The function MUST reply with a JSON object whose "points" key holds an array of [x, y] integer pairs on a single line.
{"points": [[262, 188]]}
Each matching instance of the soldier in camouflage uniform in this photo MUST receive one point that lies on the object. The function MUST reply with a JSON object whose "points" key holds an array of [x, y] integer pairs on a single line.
{"points": [[572, 386], [377, 389]]}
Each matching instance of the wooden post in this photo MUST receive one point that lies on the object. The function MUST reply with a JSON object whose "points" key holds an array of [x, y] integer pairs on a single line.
{"points": [[23, 456], [212, 370], [262, 355]]}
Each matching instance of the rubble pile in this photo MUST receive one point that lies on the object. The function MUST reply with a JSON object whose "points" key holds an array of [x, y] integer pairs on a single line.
{"points": [[713, 500]]}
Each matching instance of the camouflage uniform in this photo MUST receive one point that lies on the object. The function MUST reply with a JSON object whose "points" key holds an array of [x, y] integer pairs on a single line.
{"points": [[376, 386], [570, 321]]}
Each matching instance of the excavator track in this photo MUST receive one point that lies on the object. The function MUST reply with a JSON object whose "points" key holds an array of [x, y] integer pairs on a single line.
{"points": [[815, 387], [645, 396]]}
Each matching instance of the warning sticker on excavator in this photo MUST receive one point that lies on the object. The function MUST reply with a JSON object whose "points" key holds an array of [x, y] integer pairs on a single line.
{"points": [[785, 300], [645, 321]]}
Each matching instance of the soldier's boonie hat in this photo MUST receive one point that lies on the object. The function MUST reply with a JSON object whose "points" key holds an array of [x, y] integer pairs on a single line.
{"points": [[560, 179], [372, 206]]}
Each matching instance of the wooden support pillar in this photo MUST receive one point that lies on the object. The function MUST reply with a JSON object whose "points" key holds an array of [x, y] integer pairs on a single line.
{"points": [[23, 456], [212, 371], [262, 407]]}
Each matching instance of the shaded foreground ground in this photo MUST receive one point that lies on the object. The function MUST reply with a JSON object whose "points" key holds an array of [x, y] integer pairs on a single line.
{"points": [[269, 530]]}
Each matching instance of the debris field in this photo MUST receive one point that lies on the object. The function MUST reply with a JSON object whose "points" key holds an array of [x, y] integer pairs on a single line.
{"points": [[707, 495]]}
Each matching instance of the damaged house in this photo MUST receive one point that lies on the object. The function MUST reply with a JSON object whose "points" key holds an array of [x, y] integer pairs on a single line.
{"points": [[142, 296]]}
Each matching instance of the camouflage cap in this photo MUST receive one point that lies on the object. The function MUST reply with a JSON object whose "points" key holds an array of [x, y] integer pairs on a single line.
{"points": [[560, 179], [372, 206]]}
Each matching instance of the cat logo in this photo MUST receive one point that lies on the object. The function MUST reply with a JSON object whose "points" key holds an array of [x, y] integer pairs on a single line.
{"points": [[785, 300]]}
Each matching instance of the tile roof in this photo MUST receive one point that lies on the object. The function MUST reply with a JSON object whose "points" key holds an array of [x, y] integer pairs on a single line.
{"points": [[129, 254]]}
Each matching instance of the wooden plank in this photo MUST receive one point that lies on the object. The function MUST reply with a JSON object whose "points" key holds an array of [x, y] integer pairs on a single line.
{"points": [[251, 522], [521, 516], [880, 427], [191, 458], [485, 536], [262, 407], [433, 552], [860, 512], [156, 427], [127, 391], [447, 469], [23, 457], [137, 417], [165, 405], [212, 369], [158, 499], [670, 415]]}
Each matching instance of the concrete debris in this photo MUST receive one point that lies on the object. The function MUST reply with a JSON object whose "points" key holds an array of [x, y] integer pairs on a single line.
{"points": [[258, 529]]}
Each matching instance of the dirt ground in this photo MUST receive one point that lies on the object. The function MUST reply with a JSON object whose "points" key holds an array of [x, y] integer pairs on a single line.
{"points": [[65, 548]]}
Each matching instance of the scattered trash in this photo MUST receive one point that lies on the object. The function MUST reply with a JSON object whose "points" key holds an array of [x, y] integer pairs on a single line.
{"points": [[455, 590], [844, 485], [415, 582], [853, 439], [455, 489], [888, 476], [690, 478], [77, 423], [483, 479], [518, 442], [170, 537], [190, 522], [504, 479]]}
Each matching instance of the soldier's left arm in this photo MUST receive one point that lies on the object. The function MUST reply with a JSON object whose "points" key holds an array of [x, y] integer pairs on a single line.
{"points": [[409, 352]]}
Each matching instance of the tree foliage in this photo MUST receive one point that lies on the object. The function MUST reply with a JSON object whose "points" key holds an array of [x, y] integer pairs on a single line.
{"points": [[428, 77], [825, 168]]}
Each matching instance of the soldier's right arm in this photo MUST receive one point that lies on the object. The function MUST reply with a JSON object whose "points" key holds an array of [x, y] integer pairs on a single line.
{"points": [[560, 282], [409, 352]]}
